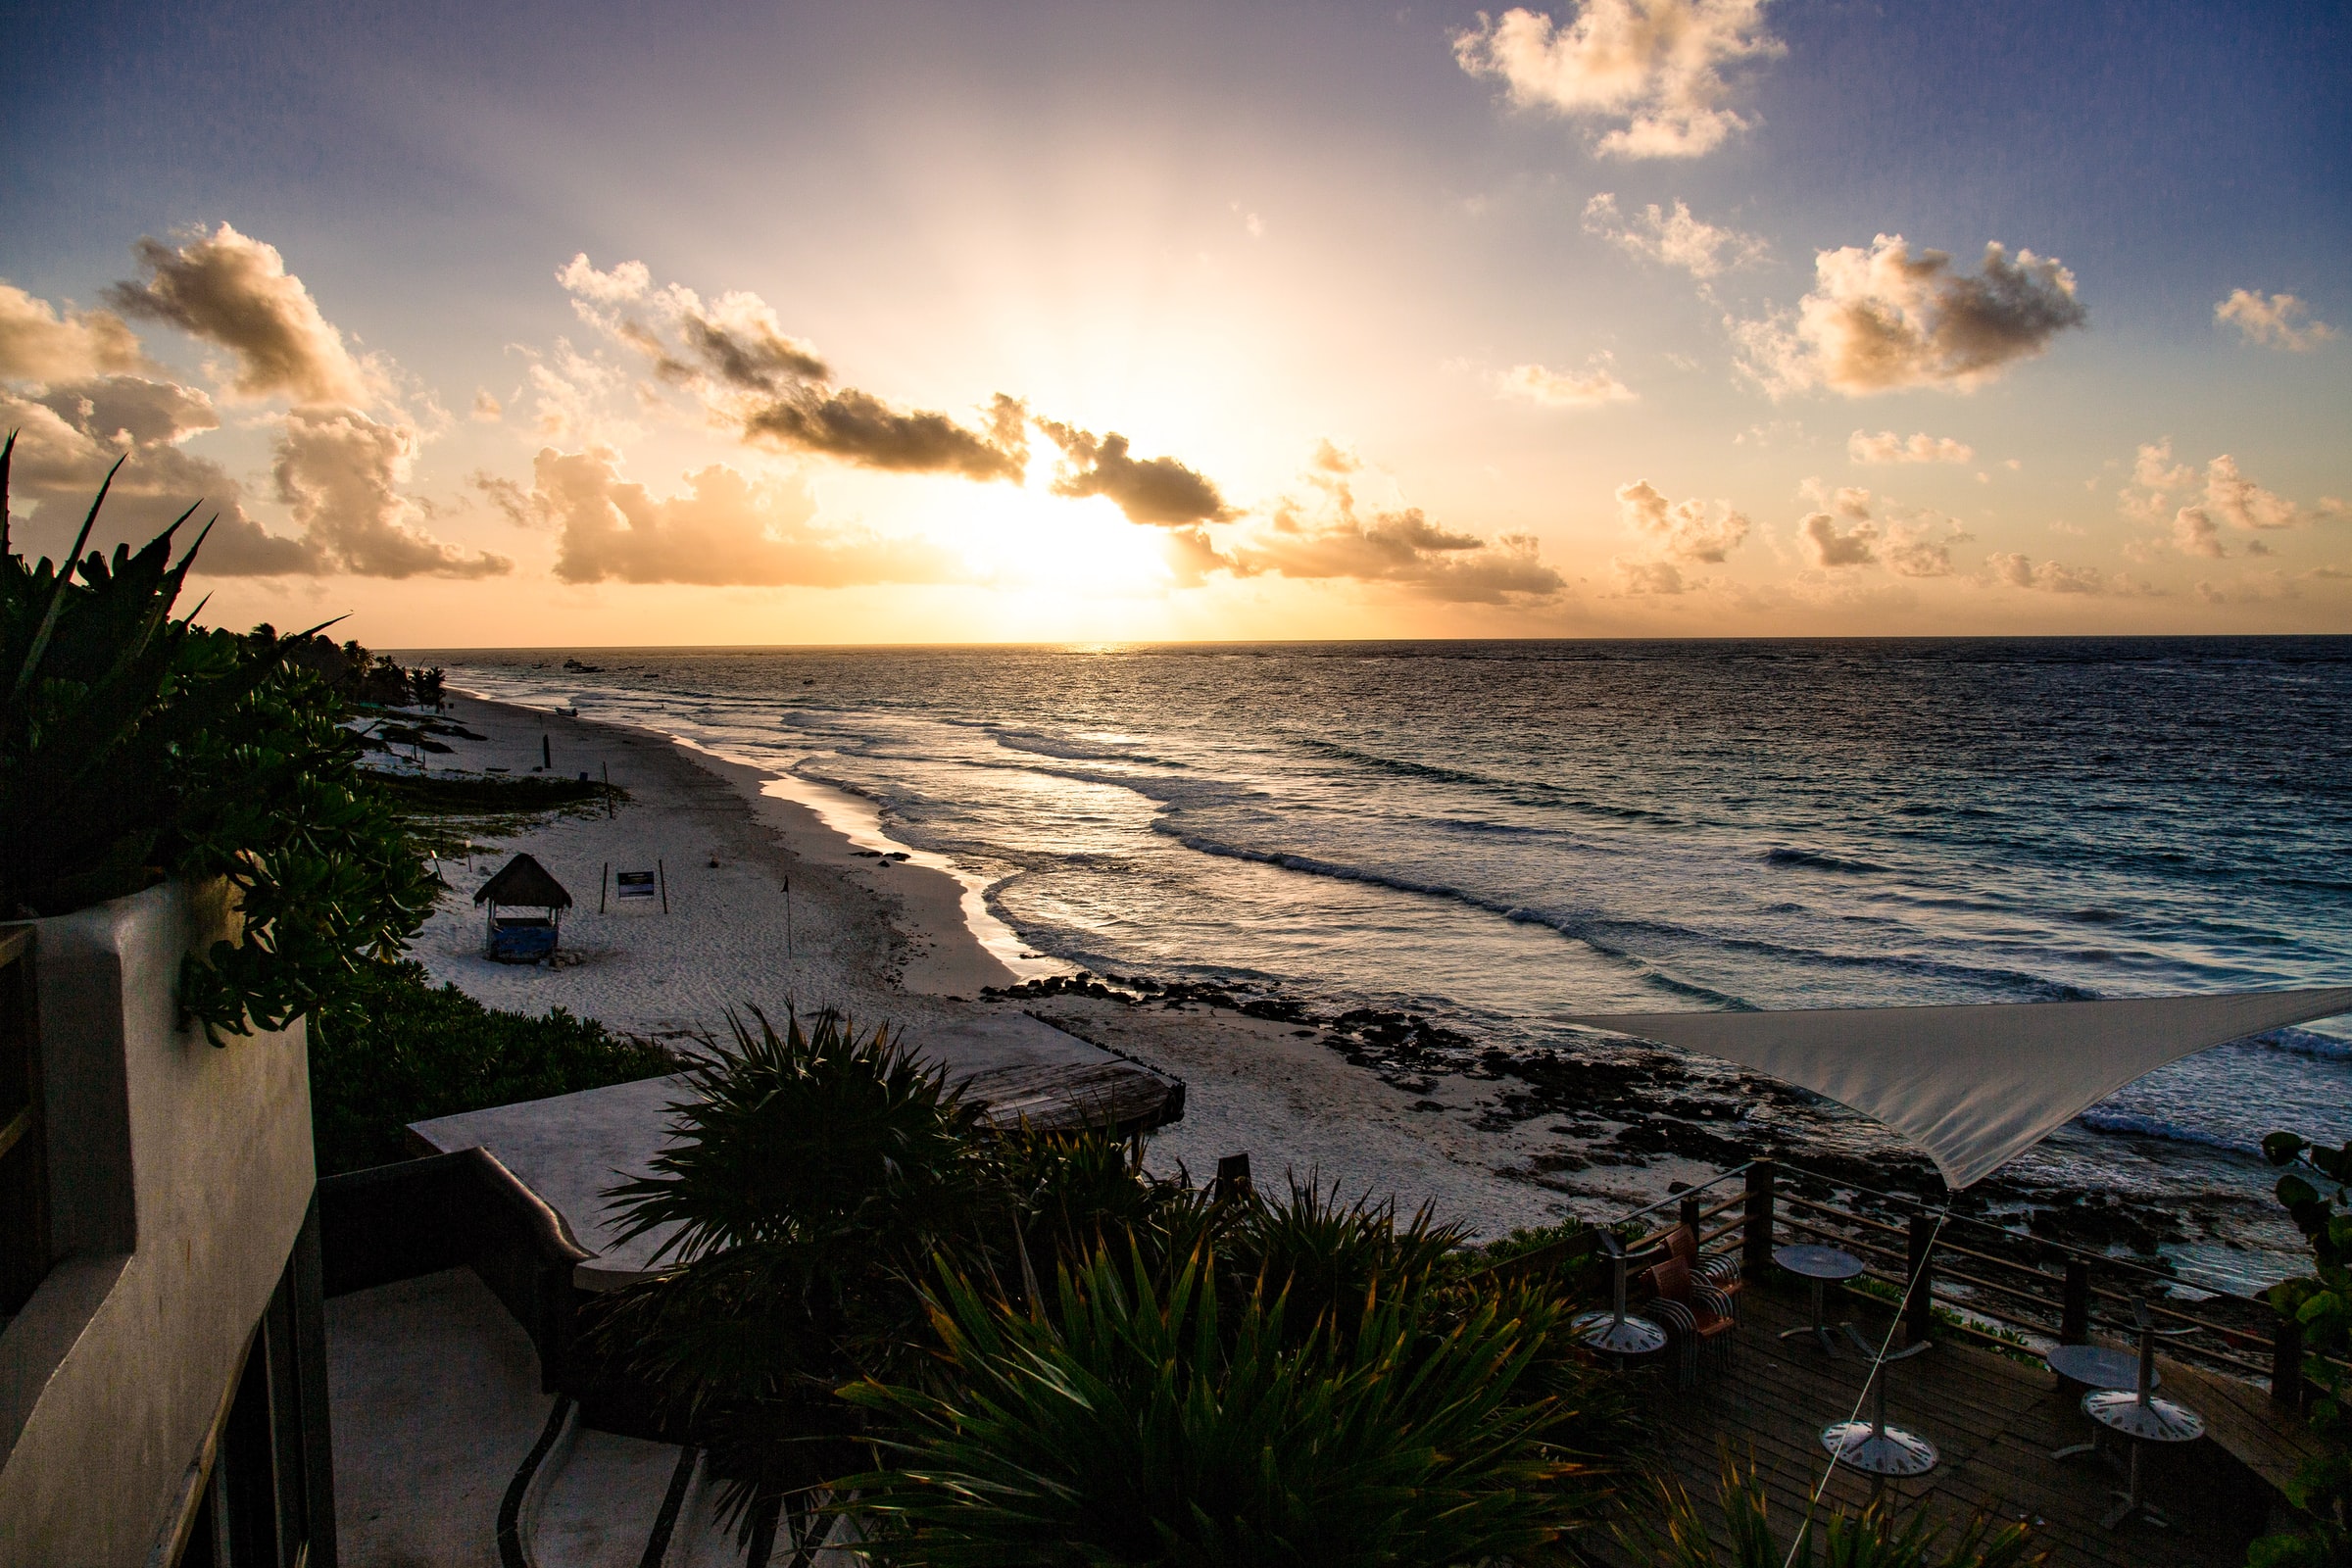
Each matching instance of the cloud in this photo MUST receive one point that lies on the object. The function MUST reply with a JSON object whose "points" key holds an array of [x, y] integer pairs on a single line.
{"points": [[860, 428], [340, 471], [69, 434], [1887, 446], [38, 344], [725, 530], [1819, 537], [488, 410], [1681, 531], [1647, 577], [2057, 577], [2220, 496], [2243, 503], [235, 292], [2253, 588], [1888, 318], [1911, 553], [1703, 250], [2276, 319], [1654, 69], [1566, 389], [736, 361], [1330, 532], [1160, 491]]}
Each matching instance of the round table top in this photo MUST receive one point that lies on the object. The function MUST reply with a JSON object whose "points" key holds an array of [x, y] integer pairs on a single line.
{"points": [[2098, 1367], [1817, 1262]]}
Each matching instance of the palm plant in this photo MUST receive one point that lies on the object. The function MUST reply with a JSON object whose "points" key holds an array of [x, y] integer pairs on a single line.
{"points": [[1879, 1536], [1140, 1421], [1327, 1257]]}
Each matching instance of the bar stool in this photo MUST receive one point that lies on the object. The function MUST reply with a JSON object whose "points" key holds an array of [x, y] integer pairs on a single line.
{"points": [[1612, 1332], [2141, 1417]]}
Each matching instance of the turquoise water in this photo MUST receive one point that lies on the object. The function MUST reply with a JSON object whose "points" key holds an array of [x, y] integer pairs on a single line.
{"points": [[1498, 835]]}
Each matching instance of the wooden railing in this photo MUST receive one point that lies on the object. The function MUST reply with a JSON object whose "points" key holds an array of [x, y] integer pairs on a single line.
{"points": [[1975, 1278]]}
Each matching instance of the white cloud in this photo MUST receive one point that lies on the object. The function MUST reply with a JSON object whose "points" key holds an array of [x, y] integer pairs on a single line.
{"points": [[1653, 69], [1681, 531], [234, 291], [1888, 447], [1885, 317], [2220, 496], [1566, 389], [1677, 239], [2280, 320], [342, 472], [2243, 503]]}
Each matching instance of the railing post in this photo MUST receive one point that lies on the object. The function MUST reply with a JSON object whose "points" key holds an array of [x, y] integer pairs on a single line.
{"points": [[1919, 1311], [2286, 1364], [2074, 1313], [1687, 1212], [1755, 1253]]}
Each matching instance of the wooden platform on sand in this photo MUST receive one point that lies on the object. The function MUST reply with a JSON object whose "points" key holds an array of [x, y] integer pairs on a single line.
{"points": [[1994, 1420]]}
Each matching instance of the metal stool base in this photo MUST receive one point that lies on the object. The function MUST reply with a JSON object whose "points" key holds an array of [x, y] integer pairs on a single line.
{"points": [[1606, 1332], [1876, 1452]]}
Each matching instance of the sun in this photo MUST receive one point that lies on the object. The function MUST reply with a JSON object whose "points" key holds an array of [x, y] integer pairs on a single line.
{"points": [[1027, 537]]}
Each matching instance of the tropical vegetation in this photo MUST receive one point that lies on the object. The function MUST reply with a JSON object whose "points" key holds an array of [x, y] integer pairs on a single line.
{"points": [[2314, 1192], [137, 747]]}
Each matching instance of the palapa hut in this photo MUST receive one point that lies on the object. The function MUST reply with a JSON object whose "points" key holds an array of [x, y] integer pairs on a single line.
{"points": [[522, 883]]}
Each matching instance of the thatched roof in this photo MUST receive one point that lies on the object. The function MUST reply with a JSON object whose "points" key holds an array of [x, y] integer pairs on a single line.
{"points": [[524, 881]]}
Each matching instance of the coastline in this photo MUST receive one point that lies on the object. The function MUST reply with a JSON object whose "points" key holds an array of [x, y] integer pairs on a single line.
{"points": [[888, 933], [888, 939]]}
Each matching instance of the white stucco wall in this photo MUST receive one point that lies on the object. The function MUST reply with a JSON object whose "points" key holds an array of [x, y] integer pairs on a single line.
{"points": [[181, 1174]]}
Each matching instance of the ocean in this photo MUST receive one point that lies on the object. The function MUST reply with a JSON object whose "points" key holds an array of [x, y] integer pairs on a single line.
{"points": [[1498, 835]]}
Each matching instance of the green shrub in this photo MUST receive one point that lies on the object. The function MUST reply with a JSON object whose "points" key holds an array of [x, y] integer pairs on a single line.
{"points": [[135, 747], [2320, 1301], [1140, 1422], [1879, 1535], [390, 1048]]}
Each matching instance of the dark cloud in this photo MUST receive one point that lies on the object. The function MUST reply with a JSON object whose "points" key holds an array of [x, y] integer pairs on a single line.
{"points": [[724, 530], [234, 291], [1160, 491], [858, 427], [341, 474]]}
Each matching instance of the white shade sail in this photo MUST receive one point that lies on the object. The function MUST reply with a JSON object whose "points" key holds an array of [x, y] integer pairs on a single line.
{"points": [[1976, 1085]]}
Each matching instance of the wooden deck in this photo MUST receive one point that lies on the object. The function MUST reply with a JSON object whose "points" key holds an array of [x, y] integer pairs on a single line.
{"points": [[1994, 1421]]}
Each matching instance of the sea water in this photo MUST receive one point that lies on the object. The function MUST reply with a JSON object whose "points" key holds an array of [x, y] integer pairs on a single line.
{"points": [[1498, 835]]}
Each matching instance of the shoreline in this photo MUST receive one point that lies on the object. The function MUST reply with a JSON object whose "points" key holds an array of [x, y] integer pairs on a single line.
{"points": [[1376, 1103]]}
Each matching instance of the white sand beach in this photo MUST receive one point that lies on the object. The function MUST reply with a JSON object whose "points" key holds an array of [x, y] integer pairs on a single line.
{"points": [[893, 941]]}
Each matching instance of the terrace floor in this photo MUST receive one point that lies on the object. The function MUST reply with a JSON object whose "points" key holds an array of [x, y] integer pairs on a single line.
{"points": [[1994, 1421]]}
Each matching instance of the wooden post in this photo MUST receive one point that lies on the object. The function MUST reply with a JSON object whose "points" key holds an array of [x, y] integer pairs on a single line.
{"points": [[547, 758], [2074, 1313], [602, 877], [606, 769], [1919, 1312], [1686, 1211], [1755, 1252], [661, 875], [2286, 1364]]}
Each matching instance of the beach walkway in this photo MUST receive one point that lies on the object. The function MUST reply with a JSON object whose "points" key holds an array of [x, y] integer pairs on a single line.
{"points": [[1994, 1420]]}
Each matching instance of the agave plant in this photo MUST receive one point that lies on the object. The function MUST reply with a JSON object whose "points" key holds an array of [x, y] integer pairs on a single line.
{"points": [[1140, 1421], [1879, 1536], [1327, 1257], [136, 745]]}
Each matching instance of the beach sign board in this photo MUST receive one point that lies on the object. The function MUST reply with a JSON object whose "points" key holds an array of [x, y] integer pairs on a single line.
{"points": [[627, 885]]}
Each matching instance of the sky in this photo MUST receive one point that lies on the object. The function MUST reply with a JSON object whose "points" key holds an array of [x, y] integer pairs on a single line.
{"points": [[599, 326]]}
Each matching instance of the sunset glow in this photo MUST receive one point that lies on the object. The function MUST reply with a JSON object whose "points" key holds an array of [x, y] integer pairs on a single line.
{"points": [[905, 325]]}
